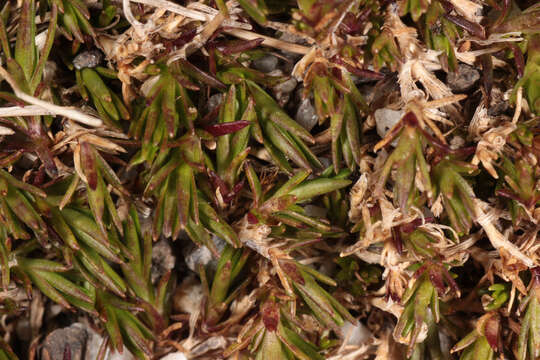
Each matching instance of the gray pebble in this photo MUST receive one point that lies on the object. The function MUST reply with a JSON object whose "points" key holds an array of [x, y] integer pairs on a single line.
{"points": [[265, 64], [356, 334], [276, 72], [463, 79], [163, 259], [315, 211], [200, 255], [213, 102], [71, 339], [23, 330], [87, 59], [306, 115], [287, 86], [93, 344], [385, 119], [292, 38]]}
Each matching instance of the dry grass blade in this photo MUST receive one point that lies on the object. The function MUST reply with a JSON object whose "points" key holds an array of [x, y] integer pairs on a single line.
{"points": [[70, 113]]}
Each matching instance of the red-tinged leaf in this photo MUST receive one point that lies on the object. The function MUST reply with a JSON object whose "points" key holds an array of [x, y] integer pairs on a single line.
{"points": [[504, 12], [437, 280], [207, 119], [11, 99], [183, 38], [67, 352], [218, 183], [226, 128], [139, 340], [487, 77], [39, 177], [212, 66], [235, 191], [252, 219], [397, 241], [472, 27], [239, 186], [11, 158], [292, 271], [158, 323], [445, 149], [88, 162], [277, 204], [535, 272], [185, 82], [410, 119], [155, 92], [419, 271], [241, 46], [491, 332], [451, 282], [413, 225], [518, 58], [270, 315], [362, 73], [200, 75]]}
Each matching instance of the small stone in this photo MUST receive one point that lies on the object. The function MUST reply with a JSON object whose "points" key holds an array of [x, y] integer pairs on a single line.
{"points": [[88, 59], [93, 346], [188, 296], [265, 64], [385, 119], [463, 79], [49, 72], [213, 102], [292, 38], [23, 330], [306, 115], [287, 86], [355, 334], [498, 105], [163, 260], [200, 255], [175, 356], [70, 340], [276, 72], [210, 344], [315, 211]]}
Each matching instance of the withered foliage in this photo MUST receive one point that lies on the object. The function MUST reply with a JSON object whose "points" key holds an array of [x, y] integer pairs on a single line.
{"points": [[402, 222]]}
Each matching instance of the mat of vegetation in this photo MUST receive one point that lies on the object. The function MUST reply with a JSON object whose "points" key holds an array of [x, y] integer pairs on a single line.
{"points": [[269, 179]]}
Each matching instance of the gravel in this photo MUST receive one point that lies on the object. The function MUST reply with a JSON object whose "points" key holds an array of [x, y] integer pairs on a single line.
{"points": [[200, 255], [265, 64], [287, 86], [463, 79], [188, 296], [356, 334], [61, 342], [175, 356], [163, 259], [213, 102], [87, 59], [94, 343], [306, 115], [385, 119]]}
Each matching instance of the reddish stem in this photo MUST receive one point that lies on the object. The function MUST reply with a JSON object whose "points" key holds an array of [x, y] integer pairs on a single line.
{"points": [[241, 46]]}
